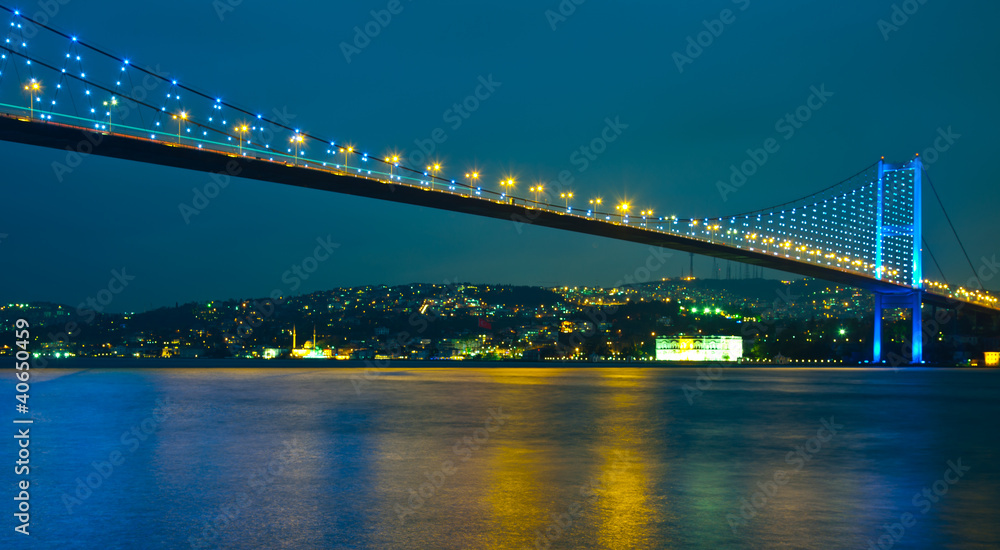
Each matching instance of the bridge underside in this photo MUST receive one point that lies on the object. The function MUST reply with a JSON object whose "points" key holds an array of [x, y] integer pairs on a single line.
{"points": [[130, 148]]}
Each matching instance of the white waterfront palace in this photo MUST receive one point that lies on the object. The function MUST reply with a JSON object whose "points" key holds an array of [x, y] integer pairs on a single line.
{"points": [[699, 348]]}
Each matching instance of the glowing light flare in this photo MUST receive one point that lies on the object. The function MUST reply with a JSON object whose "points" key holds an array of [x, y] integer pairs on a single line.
{"points": [[392, 159], [32, 87], [624, 207]]}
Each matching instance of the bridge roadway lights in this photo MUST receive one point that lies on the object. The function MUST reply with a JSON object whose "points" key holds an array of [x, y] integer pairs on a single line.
{"points": [[908, 300], [62, 137]]}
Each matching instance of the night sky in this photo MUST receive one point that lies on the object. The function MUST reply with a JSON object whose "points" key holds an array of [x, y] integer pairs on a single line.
{"points": [[896, 89]]}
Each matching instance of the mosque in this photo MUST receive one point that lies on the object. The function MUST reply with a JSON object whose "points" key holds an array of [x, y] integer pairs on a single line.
{"points": [[309, 349]]}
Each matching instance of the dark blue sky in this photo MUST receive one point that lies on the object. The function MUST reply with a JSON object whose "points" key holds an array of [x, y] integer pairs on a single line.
{"points": [[556, 89]]}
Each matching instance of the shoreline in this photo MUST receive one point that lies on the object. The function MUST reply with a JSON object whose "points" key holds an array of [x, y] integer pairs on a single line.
{"points": [[155, 363]]}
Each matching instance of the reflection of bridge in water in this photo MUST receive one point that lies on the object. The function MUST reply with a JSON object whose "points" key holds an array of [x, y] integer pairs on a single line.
{"points": [[865, 231]]}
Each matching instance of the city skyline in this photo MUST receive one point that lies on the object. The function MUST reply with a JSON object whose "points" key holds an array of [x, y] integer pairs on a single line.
{"points": [[799, 321]]}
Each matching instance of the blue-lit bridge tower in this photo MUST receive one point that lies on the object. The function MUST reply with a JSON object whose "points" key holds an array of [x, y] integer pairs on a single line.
{"points": [[898, 238]]}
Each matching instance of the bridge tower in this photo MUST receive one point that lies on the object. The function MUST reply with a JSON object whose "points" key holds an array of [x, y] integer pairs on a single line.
{"points": [[898, 236]]}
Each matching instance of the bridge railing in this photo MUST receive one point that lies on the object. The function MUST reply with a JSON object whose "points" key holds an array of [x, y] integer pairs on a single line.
{"points": [[711, 230]]}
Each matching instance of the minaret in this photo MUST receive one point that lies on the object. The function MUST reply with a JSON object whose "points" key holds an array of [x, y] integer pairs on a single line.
{"points": [[314, 335], [293, 337]]}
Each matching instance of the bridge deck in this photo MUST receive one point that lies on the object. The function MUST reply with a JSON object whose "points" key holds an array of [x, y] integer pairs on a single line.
{"points": [[60, 136]]}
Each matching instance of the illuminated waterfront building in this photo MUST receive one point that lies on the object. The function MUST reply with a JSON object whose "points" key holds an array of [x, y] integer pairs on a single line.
{"points": [[699, 348], [309, 350]]}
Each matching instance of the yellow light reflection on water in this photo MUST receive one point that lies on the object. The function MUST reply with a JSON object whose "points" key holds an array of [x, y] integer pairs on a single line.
{"points": [[623, 507], [517, 495]]}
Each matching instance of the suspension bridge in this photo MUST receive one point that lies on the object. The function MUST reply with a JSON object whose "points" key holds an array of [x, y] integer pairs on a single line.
{"points": [[865, 231]]}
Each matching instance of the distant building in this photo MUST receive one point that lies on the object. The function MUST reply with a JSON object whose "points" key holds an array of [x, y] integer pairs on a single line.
{"points": [[310, 350], [699, 348], [273, 353], [993, 358]]}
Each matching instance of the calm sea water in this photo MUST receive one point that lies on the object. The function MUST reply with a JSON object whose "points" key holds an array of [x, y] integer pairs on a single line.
{"points": [[544, 457]]}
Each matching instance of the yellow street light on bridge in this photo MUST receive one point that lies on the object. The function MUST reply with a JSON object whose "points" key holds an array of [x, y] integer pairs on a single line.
{"points": [[297, 140], [506, 186], [180, 118], [645, 215], [474, 178], [393, 161], [240, 130], [566, 197], [623, 209], [110, 104], [434, 169], [536, 190], [32, 88], [347, 155]]}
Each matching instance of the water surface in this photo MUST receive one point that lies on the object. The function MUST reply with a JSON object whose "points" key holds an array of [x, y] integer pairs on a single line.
{"points": [[423, 458]]}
